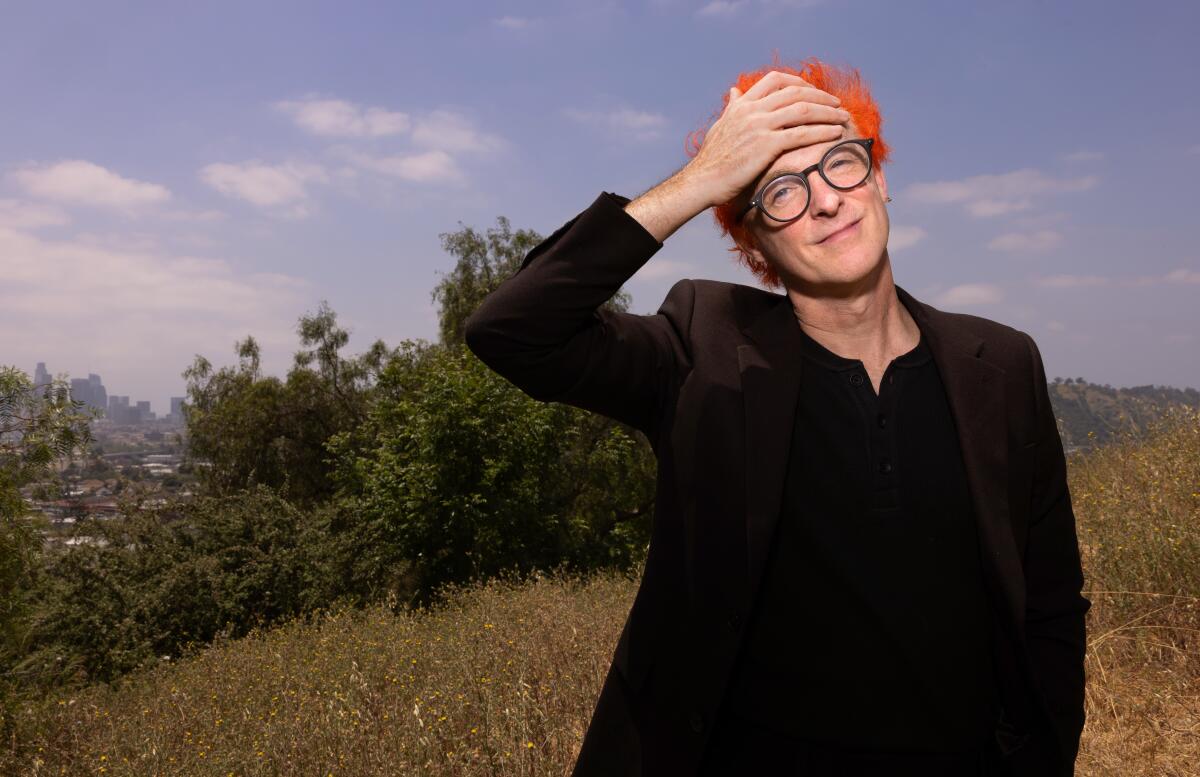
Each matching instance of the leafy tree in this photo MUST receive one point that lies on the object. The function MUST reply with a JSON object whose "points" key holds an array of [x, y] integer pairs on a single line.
{"points": [[37, 429], [155, 580], [482, 263], [245, 428], [469, 476]]}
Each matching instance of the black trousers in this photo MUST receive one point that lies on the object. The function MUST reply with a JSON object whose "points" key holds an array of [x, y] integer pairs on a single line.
{"points": [[739, 748]]}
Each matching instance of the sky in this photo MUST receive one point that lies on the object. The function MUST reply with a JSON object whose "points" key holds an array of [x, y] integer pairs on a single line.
{"points": [[176, 176]]}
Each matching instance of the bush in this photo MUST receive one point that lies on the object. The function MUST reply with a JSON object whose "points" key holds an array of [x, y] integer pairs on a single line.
{"points": [[467, 476]]}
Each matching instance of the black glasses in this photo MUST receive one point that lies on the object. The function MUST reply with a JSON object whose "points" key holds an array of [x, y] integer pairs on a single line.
{"points": [[785, 197]]}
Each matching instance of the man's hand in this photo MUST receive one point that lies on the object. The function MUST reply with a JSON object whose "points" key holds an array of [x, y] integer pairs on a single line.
{"points": [[779, 113]]}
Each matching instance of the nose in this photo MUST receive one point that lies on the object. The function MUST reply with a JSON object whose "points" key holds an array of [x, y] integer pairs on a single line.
{"points": [[824, 200]]}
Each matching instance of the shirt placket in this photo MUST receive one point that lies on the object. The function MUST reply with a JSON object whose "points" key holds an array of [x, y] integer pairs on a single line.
{"points": [[879, 413]]}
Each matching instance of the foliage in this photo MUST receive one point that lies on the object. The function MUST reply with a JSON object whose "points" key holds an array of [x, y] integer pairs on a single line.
{"points": [[245, 428], [468, 476], [38, 427], [482, 263], [1091, 415], [155, 580], [1138, 504]]}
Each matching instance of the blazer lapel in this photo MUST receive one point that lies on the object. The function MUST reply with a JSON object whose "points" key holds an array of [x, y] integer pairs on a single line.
{"points": [[770, 370], [975, 391]]}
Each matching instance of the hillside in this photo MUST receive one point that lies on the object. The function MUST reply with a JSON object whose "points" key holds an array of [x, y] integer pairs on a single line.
{"points": [[503, 677], [1091, 414]]}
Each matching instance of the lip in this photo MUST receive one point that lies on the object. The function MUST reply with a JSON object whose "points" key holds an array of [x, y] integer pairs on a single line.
{"points": [[845, 231]]}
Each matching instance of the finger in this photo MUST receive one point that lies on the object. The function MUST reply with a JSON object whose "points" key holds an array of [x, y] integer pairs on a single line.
{"points": [[794, 93], [789, 138], [772, 81], [807, 113]]}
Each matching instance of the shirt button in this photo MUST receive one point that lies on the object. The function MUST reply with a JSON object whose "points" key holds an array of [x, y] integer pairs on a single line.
{"points": [[885, 466], [882, 421], [856, 379]]}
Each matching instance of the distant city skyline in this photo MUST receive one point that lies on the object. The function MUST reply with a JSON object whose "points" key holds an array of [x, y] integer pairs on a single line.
{"points": [[177, 177], [92, 392]]}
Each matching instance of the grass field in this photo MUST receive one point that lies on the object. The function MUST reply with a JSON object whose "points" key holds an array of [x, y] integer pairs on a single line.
{"points": [[502, 679]]}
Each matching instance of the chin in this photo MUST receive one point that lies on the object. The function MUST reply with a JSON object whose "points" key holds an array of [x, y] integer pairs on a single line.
{"points": [[847, 266]]}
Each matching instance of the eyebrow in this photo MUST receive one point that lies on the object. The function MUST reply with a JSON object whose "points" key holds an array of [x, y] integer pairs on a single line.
{"points": [[784, 170]]}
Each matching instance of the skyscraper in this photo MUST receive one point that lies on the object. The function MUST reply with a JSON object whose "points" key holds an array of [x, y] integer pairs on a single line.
{"points": [[41, 380]]}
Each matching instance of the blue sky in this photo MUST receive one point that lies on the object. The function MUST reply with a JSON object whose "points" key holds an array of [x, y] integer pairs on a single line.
{"points": [[175, 176]]}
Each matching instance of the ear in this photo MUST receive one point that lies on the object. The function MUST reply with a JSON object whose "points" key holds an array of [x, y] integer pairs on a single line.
{"points": [[880, 182], [750, 248], [756, 255]]}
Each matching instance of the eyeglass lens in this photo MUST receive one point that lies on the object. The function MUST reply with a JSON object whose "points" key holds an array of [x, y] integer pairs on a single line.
{"points": [[844, 167]]}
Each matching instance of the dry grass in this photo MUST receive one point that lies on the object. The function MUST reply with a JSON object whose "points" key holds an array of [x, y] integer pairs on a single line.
{"points": [[1137, 507], [502, 680], [499, 681]]}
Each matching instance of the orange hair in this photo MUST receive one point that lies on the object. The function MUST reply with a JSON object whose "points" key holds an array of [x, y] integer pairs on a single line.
{"points": [[845, 84]]}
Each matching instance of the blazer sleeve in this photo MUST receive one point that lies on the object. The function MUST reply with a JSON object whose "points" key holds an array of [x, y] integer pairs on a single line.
{"points": [[543, 328], [1055, 607]]}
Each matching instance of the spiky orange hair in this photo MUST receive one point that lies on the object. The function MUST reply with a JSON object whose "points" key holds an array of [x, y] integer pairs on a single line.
{"points": [[844, 83]]}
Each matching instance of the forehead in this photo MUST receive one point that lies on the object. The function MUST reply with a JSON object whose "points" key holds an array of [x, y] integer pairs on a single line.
{"points": [[799, 158]]}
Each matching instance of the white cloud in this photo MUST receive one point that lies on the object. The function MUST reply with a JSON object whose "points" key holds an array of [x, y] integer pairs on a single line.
{"points": [[512, 22], [426, 167], [15, 214], [990, 207], [721, 8], [1071, 281], [992, 195], [79, 182], [449, 131], [903, 237], [1026, 242], [1084, 156], [195, 216], [969, 294], [1175, 277], [1182, 275], [264, 185], [791, 4], [338, 118], [124, 307], [625, 122]]}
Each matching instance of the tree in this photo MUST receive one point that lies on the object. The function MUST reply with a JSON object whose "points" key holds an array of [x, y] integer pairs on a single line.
{"points": [[156, 579], [36, 431], [483, 263], [468, 477], [248, 428]]}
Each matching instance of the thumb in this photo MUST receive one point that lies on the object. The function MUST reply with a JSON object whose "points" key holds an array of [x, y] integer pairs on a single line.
{"points": [[733, 92]]}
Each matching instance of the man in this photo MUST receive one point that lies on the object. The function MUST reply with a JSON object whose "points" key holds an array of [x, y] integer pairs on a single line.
{"points": [[863, 559]]}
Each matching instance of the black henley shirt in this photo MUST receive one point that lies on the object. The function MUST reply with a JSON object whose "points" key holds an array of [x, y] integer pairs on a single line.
{"points": [[872, 630]]}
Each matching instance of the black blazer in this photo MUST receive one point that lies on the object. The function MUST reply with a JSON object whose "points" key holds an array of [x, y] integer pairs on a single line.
{"points": [[712, 379]]}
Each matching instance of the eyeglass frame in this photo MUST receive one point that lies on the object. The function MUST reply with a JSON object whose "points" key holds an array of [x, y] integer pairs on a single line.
{"points": [[803, 174]]}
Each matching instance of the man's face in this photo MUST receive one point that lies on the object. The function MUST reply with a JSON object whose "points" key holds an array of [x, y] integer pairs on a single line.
{"points": [[842, 236]]}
